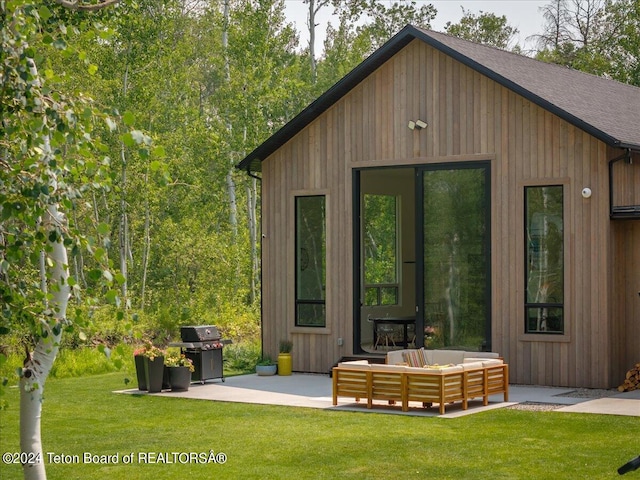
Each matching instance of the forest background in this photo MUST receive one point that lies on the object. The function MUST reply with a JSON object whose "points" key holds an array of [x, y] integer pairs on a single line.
{"points": [[205, 82]]}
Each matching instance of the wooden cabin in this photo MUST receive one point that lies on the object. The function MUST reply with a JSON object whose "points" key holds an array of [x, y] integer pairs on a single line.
{"points": [[446, 194]]}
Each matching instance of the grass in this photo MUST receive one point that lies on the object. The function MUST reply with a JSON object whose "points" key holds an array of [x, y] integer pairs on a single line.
{"points": [[83, 415]]}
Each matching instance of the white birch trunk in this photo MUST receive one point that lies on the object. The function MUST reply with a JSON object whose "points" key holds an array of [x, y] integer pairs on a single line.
{"points": [[311, 23], [146, 251], [452, 291], [231, 186], [54, 270], [38, 364], [312, 39]]}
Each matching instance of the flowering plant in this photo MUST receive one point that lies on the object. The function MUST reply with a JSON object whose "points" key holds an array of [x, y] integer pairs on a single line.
{"points": [[179, 360], [148, 350]]}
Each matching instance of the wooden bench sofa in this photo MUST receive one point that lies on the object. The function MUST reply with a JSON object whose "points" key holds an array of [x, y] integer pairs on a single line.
{"points": [[472, 378]]}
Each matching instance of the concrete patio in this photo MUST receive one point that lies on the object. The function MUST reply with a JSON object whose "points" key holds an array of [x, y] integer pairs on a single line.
{"points": [[315, 391]]}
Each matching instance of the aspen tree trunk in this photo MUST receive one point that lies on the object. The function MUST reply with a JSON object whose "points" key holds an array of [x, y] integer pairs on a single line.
{"points": [[311, 23], [124, 225], [54, 275], [54, 270], [312, 39], [124, 221], [452, 291], [146, 249], [231, 186], [38, 364]]}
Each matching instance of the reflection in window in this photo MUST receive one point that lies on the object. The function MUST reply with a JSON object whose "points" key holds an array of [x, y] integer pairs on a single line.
{"points": [[310, 261], [545, 259], [456, 267], [380, 231]]}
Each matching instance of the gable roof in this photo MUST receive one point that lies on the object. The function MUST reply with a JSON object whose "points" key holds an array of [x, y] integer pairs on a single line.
{"points": [[607, 109]]}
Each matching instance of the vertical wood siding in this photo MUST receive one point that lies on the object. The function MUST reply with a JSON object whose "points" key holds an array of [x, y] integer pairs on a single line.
{"points": [[470, 118]]}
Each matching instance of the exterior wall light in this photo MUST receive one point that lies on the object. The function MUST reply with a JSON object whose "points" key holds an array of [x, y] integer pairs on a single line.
{"points": [[419, 124]]}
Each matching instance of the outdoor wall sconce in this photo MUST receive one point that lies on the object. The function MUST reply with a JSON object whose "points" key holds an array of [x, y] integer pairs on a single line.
{"points": [[586, 192], [419, 124]]}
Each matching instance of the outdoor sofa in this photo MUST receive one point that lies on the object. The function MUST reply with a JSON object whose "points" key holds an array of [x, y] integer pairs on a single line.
{"points": [[425, 376]]}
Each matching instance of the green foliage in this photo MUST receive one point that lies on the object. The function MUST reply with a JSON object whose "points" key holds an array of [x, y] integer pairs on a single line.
{"points": [[174, 359], [455, 230], [363, 27], [77, 362], [602, 38], [485, 28], [380, 226], [285, 346], [241, 357]]}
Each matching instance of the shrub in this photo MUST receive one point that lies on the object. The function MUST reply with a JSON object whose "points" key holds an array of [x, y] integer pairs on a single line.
{"points": [[242, 357]]}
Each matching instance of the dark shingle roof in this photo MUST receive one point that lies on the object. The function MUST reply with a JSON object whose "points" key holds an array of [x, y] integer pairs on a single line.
{"points": [[606, 109]]}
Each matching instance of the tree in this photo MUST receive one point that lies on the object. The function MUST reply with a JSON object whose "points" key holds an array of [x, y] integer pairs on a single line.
{"points": [[621, 43], [50, 160], [314, 8], [556, 25], [364, 26], [485, 28], [384, 22], [597, 36]]}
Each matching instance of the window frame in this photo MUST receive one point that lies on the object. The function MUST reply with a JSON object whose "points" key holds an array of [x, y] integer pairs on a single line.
{"points": [[564, 336], [293, 325]]}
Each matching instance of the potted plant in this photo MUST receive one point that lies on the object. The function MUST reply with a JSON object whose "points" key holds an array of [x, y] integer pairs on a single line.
{"points": [[138, 359], [266, 367], [153, 367], [284, 357], [180, 369], [141, 356]]}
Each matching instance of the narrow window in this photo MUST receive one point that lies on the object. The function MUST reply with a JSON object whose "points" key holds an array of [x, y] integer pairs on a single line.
{"points": [[544, 312], [310, 261], [380, 249]]}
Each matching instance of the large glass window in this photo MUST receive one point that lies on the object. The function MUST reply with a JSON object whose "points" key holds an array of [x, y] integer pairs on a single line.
{"points": [[544, 312], [380, 249], [310, 261], [456, 257]]}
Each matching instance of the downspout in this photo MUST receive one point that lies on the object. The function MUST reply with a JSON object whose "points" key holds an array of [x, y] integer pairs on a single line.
{"points": [[262, 237], [253, 175]]}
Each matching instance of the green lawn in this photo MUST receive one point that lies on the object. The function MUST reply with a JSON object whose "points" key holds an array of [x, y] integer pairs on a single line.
{"points": [[82, 415]]}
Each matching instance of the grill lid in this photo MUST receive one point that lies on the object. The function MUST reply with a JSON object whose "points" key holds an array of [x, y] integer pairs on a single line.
{"points": [[199, 333]]}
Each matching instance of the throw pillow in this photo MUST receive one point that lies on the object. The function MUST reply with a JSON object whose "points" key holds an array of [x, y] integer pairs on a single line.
{"points": [[413, 358], [424, 359]]}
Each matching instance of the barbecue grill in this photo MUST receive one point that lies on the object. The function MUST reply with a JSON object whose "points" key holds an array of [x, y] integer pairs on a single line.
{"points": [[202, 344]]}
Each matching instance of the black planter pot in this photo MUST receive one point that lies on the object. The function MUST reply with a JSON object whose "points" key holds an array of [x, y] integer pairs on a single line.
{"points": [[140, 373], [155, 373], [180, 378], [166, 379]]}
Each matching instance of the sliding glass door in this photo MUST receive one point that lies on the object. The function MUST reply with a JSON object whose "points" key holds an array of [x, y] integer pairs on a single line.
{"points": [[454, 255]]}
